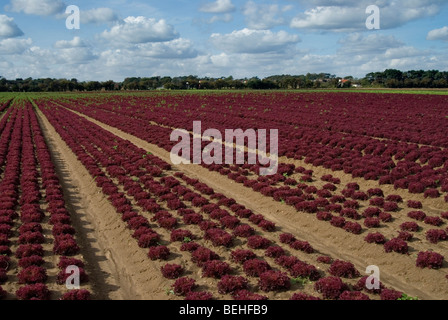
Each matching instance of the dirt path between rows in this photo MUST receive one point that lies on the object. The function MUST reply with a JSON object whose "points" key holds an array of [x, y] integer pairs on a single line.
{"points": [[397, 271], [118, 269]]}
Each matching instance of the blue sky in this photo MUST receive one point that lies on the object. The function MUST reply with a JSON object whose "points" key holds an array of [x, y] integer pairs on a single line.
{"points": [[242, 38]]}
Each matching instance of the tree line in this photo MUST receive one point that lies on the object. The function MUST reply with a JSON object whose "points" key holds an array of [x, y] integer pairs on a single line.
{"points": [[390, 78]]}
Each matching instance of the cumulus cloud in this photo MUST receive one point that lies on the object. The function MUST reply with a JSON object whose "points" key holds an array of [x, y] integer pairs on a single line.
{"points": [[98, 15], [264, 16], [8, 28], [438, 34], [350, 15], [77, 42], [254, 41], [140, 29], [357, 43], [175, 49], [219, 6], [14, 46], [227, 17], [37, 7]]}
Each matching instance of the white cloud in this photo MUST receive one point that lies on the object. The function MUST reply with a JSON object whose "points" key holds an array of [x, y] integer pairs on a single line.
{"points": [[220, 18], [77, 42], [175, 49], [98, 15], [136, 30], [14, 46], [219, 6], [263, 16], [438, 34], [254, 41], [330, 18], [8, 28], [342, 16], [75, 55], [37, 7], [357, 43]]}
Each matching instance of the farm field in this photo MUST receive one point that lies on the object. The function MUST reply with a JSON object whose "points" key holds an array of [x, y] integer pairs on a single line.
{"points": [[86, 180]]}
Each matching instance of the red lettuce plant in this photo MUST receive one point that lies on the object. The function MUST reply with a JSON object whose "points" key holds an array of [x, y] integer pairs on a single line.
{"points": [[372, 222], [303, 297], [436, 235], [172, 271], [241, 256], [429, 259], [31, 238], [274, 252], [390, 294], [63, 276], [404, 235], [302, 246], [362, 285], [330, 287], [243, 231], [64, 262], [27, 250], [343, 269], [258, 242], [189, 246], [371, 212], [304, 270], [325, 259], [184, 286], [410, 226], [417, 215], [287, 238], [433, 221], [215, 269], [353, 227], [77, 295], [274, 281], [232, 284], [338, 222], [394, 198], [415, 204], [324, 216], [350, 213], [432, 193], [32, 275], [31, 261], [255, 267], [159, 253], [287, 261], [148, 239], [267, 225], [180, 235], [4, 262], [36, 291], [385, 217], [377, 238], [219, 237], [396, 245], [66, 245], [353, 295], [390, 206], [203, 255]]}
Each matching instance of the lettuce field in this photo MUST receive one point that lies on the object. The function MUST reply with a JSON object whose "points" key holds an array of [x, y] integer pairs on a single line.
{"points": [[86, 181]]}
